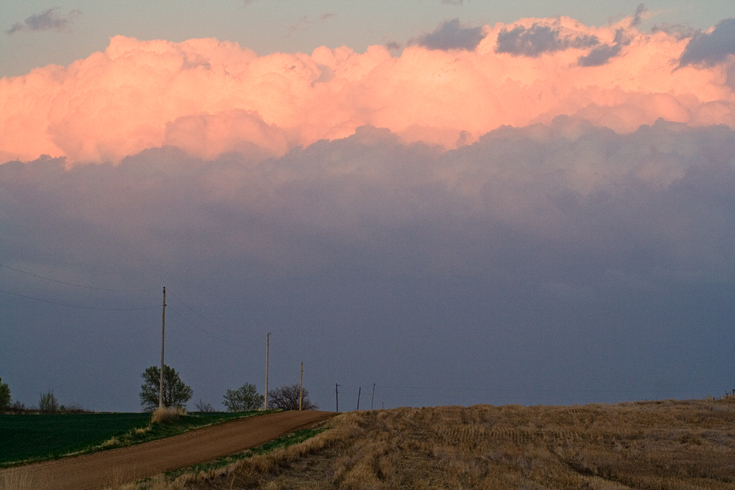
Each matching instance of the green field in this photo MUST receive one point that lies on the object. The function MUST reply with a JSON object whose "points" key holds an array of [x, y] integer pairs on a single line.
{"points": [[37, 437]]}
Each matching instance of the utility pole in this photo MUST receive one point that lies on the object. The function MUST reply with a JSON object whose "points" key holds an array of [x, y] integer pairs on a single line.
{"points": [[359, 390], [372, 399], [336, 395], [267, 349], [301, 386], [163, 338]]}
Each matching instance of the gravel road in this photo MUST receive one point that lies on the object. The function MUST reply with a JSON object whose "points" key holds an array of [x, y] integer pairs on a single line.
{"points": [[97, 470]]}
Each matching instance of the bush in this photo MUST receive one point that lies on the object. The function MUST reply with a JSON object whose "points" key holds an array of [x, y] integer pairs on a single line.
{"points": [[243, 399], [18, 407], [48, 402], [75, 408], [4, 396], [287, 398], [166, 414], [203, 406]]}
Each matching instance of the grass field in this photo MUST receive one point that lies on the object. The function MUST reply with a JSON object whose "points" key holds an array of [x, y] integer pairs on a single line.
{"points": [[666, 445], [37, 437]]}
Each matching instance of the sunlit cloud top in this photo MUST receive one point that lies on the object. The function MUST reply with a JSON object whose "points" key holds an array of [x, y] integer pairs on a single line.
{"points": [[453, 85]]}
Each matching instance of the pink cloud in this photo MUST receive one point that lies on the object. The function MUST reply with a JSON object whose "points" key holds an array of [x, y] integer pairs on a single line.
{"points": [[211, 97]]}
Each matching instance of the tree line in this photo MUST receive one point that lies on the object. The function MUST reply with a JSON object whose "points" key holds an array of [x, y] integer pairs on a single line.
{"points": [[176, 394], [47, 403], [245, 398]]}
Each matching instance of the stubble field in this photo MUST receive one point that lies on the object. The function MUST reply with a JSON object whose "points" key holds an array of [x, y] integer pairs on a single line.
{"points": [[659, 445]]}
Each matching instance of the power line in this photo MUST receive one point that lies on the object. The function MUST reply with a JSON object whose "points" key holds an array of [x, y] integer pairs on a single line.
{"points": [[228, 342], [422, 391], [75, 285], [75, 306], [201, 315], [99, 308]]}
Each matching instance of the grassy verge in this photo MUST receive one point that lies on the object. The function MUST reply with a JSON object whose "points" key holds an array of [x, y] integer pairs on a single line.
{"points": [[280, 443], [29, 438]]}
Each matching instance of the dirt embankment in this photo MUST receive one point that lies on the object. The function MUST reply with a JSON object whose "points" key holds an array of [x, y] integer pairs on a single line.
{"points": [[94, 471]]}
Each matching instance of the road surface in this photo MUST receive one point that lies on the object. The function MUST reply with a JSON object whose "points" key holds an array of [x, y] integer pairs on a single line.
{"points": [[97, 470]]}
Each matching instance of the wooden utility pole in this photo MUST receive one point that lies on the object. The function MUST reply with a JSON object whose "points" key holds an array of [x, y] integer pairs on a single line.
{"points": [[301, 386], [359, 390], [267, 349], [372, 399], [163, 338], [336, 396]]}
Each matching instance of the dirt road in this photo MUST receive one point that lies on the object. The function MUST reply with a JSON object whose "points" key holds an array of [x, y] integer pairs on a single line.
{"points": [[94, 471]]}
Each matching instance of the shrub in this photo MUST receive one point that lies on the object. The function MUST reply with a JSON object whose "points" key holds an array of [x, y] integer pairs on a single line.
{"points": [[203, 406], [287, 398], [243, 399], [75, 408], [48, 402], [4, 396], [166, 414], [18, 407]]}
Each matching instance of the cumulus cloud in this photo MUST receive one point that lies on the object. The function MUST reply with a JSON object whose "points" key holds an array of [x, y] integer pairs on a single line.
{"points": [[568, 184], [709, 49], [46, 21], [212, 97], [519, 209], [451, 35], [558, 240], [539, 39]]}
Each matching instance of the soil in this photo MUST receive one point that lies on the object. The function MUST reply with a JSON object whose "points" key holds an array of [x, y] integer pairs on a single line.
{"points": [[116, 466]]}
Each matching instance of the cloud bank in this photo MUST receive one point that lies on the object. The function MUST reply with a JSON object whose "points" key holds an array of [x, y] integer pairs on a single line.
{"points": [[211, 97], [554, 263]]}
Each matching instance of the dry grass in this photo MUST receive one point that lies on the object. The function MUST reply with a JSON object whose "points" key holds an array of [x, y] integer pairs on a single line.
{"points": [[166, 414], [21, 478], [157, 483], [646, 445]]}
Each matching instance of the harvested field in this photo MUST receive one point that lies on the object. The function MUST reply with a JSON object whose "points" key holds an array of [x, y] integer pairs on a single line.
{"points": [[672, 445]]}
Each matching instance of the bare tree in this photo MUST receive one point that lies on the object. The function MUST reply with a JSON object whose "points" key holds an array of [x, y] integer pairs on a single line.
{"points": [[203, 406], [287, 398]]}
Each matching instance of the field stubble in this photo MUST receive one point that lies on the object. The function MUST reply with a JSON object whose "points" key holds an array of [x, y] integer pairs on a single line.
{"points": [[672, 445]]}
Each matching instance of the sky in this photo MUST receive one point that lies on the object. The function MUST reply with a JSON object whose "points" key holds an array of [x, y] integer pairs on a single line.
{"points": [[456, 202]]}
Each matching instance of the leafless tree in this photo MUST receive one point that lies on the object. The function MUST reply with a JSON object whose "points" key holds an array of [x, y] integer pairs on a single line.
{"points": [[287, 398]]}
